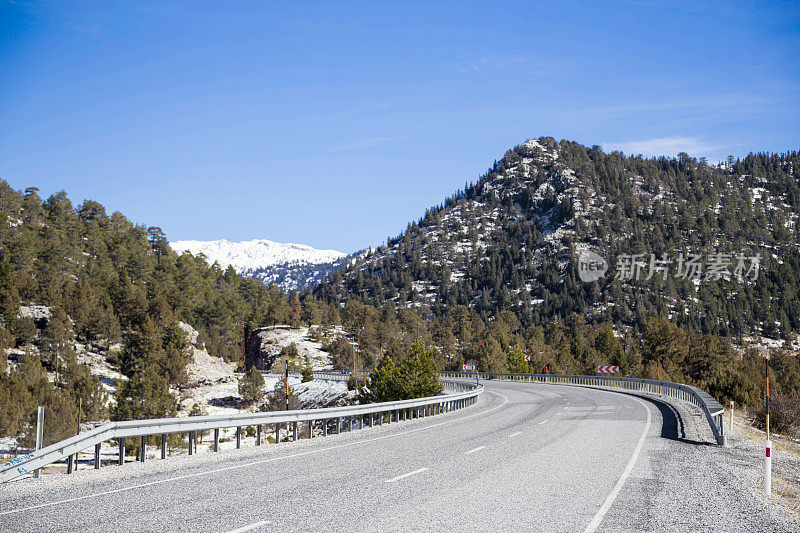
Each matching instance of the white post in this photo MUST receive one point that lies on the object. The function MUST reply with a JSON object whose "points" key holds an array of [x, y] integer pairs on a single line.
{"points": [[39, 435], [730, 419], [768, 469]]}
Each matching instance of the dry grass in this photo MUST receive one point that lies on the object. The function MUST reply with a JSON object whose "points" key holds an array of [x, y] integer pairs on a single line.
{"points": [[788, 491], [784, 489], [743, 428]]}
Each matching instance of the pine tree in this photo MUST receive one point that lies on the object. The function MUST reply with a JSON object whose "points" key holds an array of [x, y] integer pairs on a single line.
{"points": [[144, 395], [307, 371], [251, 386], [515, 360], [276, 400], [412, 378]]}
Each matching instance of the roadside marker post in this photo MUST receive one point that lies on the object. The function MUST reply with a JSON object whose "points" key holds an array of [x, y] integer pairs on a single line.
{"points": [[768, 443], [730, 419]]}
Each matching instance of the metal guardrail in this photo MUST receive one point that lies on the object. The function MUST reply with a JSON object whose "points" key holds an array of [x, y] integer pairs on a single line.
{"points": [[711, 408], [462, 394], [465, 393]]}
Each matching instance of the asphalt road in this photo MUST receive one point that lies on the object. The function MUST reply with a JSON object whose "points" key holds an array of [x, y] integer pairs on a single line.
{"points": [[525, 457]]}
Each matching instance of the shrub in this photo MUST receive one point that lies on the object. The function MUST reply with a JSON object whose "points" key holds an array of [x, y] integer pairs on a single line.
{"points": [[413, 378], [307, 372], [784, 414]]}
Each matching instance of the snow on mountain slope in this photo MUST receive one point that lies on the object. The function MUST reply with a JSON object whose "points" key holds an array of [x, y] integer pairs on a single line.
{"points": [[292, 266], [258, 253]]}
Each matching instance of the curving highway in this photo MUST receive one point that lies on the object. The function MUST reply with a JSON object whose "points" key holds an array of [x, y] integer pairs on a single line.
{"points": [[529, 457]]}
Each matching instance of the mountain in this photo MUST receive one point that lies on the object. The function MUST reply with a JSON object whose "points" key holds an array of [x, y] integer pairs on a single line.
{"points": [[512, 241], [290, 266]]}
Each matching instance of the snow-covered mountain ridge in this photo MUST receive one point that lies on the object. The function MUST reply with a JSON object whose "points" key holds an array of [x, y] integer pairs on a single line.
{"points": [[292, 266]]}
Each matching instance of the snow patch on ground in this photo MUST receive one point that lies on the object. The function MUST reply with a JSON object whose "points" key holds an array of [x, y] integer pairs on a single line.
{"points": [[280, 337], [100, 367], [36, 312]]}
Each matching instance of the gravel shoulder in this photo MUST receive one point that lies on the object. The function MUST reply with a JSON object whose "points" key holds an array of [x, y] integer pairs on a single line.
{"points": [[682, 482]]}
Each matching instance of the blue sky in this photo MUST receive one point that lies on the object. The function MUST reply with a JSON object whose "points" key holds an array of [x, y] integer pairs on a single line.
{"points": [[336, 123]]}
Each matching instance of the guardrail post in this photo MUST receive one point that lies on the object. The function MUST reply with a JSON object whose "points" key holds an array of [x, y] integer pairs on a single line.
{"points": [[97, 456], [39, 435], [142, 448], [277, 433], [69, 464], [216, 439], [238, 437], [325, 427], [338, 425], [164, 445], [294, 432], [122, 451], [191, 443], [258, 435], [310, 429]]}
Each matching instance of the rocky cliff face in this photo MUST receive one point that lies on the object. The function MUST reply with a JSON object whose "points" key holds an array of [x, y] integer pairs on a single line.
{"points": [[265, 345]]}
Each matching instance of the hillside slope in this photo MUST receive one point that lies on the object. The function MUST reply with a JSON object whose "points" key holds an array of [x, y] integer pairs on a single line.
{"points": [[512, 241], [82, 290]]}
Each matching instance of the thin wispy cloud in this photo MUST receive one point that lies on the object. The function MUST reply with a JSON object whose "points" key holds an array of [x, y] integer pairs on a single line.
{"points": [[506, 66], [664, 146], [360, 144], [727, 103]]}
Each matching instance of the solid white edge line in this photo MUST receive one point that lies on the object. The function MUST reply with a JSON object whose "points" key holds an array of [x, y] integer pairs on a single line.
{"points": [[479, 448], [515, 434], [251, 527], [407, 474], [260, 461], [601, 513], [543, 421]]}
